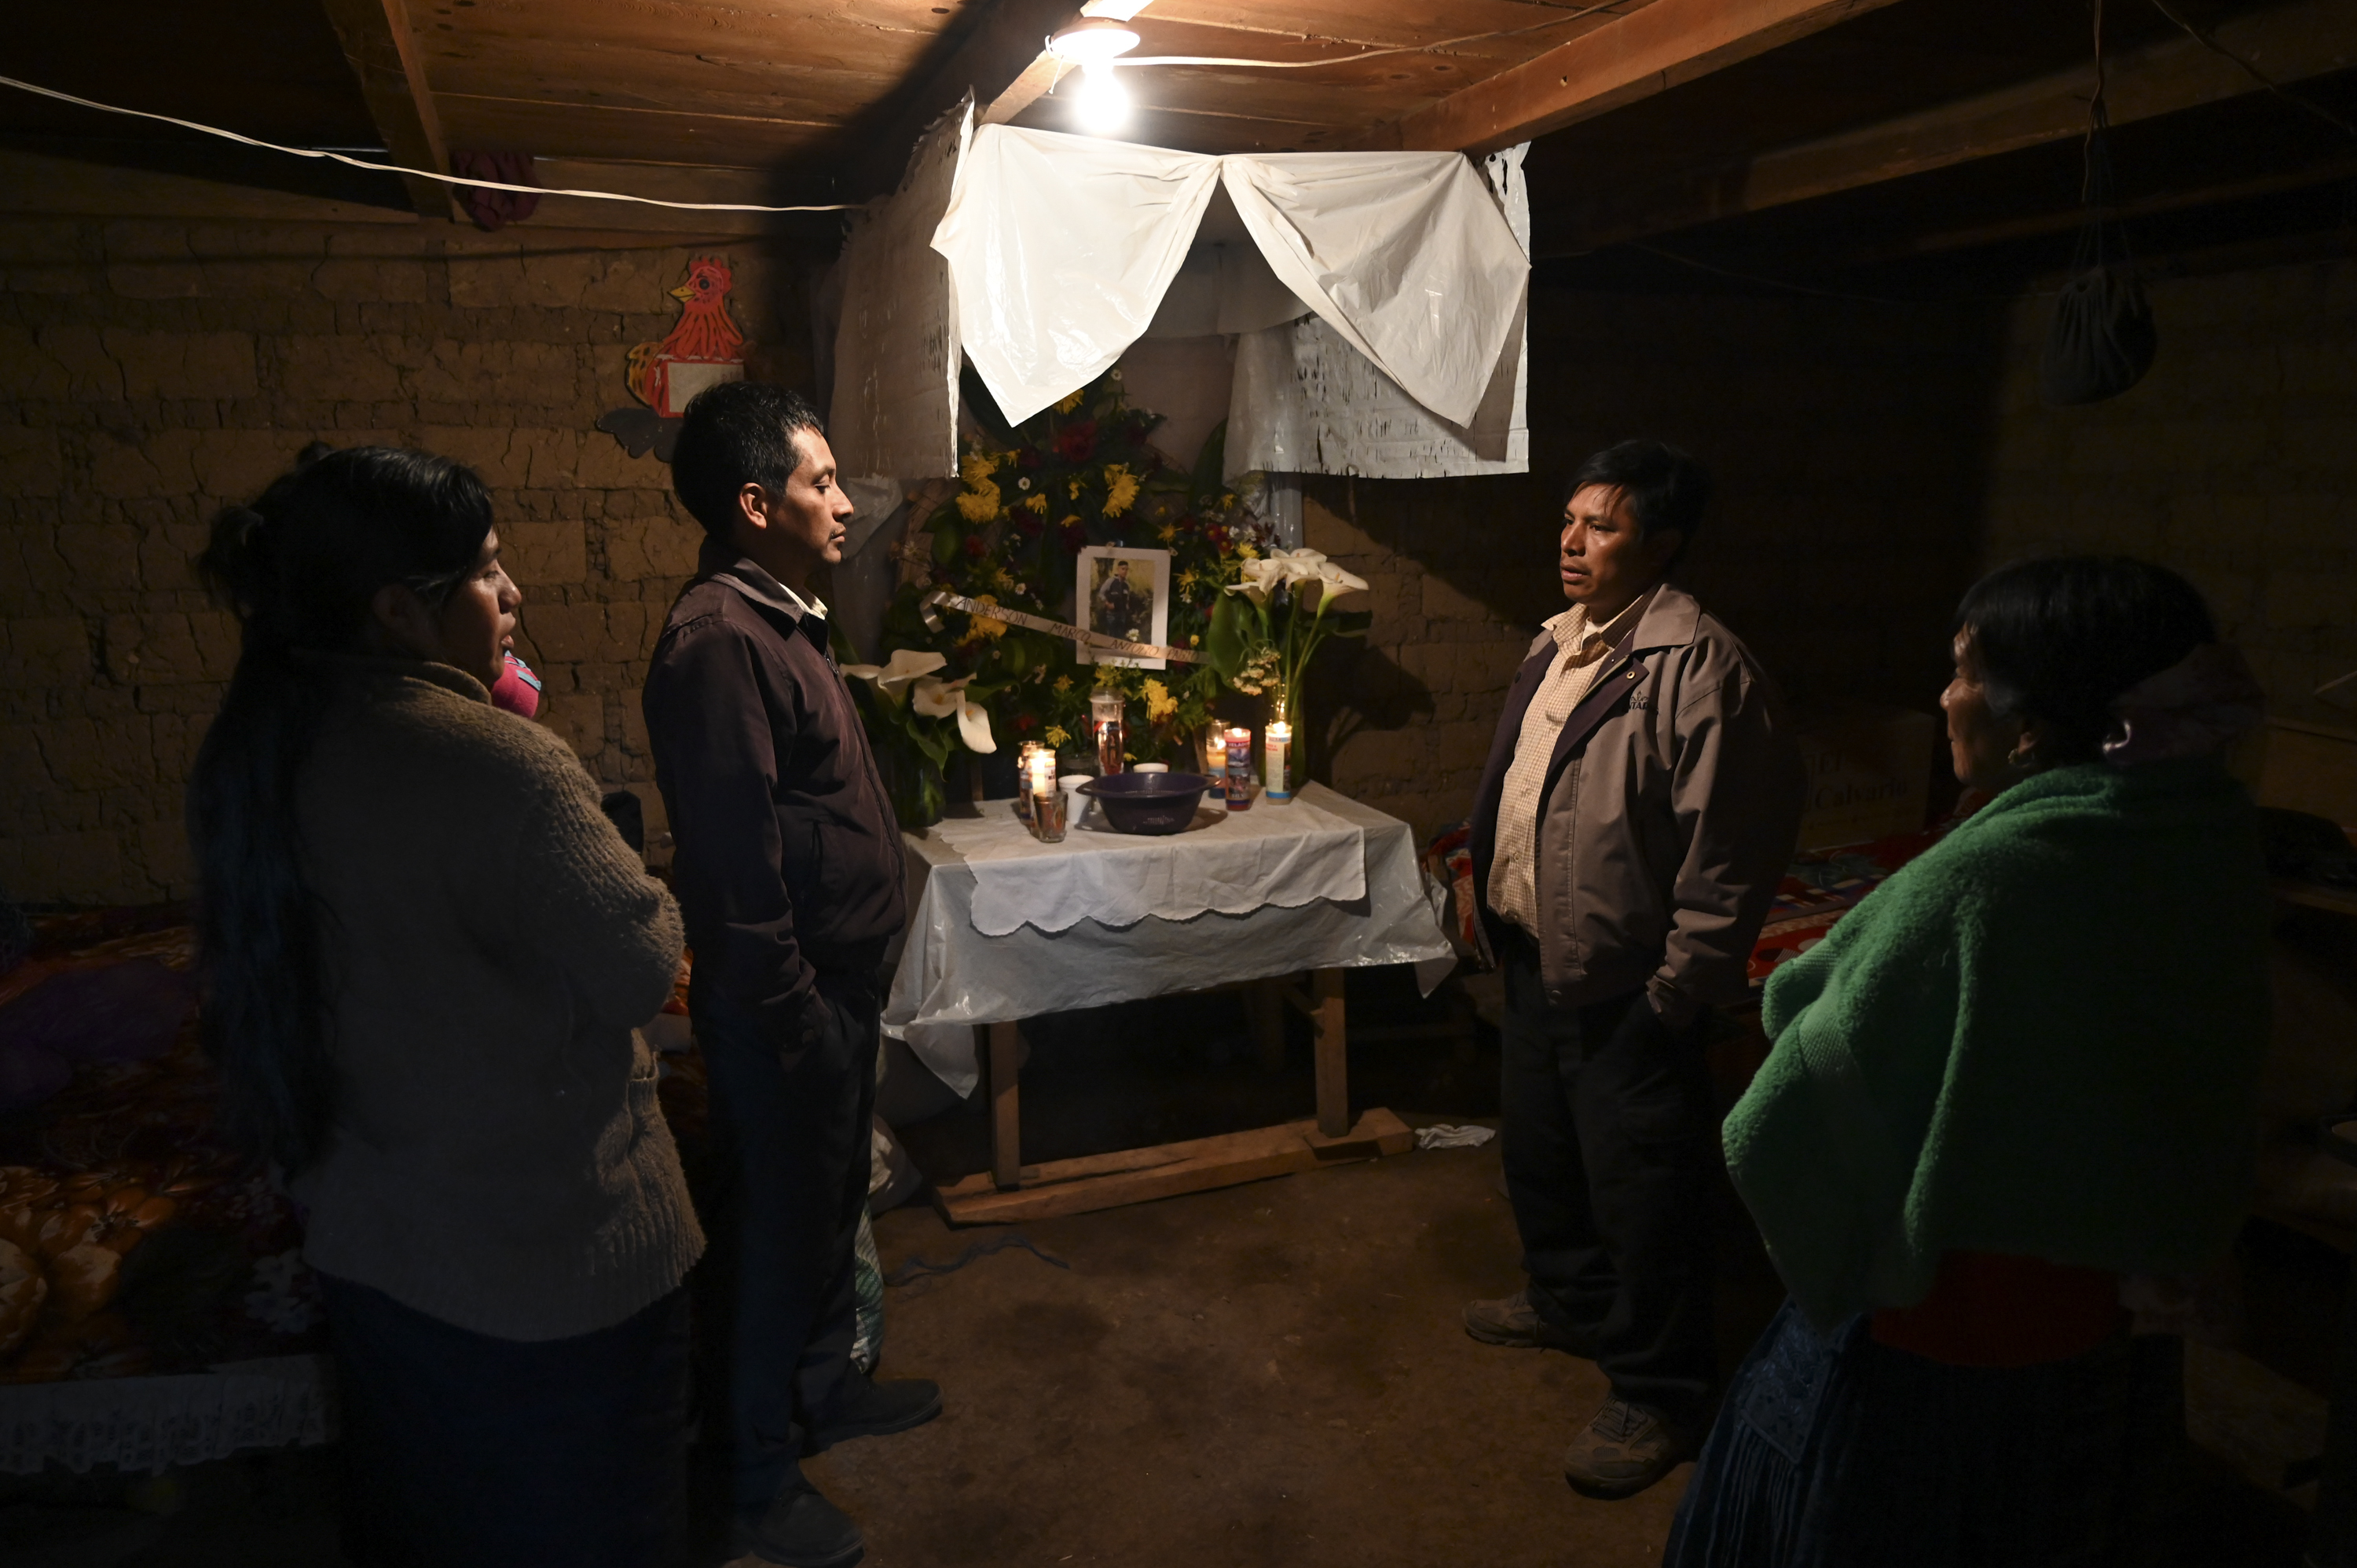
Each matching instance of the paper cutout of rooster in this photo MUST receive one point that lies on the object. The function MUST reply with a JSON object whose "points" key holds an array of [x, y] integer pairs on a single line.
{"points": [[702, 349]]}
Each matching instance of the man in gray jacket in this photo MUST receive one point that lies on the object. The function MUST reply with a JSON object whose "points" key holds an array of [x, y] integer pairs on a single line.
{"points": [[1640, 800]]}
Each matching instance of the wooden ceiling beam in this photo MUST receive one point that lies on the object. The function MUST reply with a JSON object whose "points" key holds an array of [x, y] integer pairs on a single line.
{"points": [[1631, 58], [2290, 43], [383, 53], [1000, 55]]}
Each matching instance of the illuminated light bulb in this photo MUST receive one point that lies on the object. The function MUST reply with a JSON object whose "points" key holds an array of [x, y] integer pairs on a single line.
{"points": [[1101, 105], [1093, 41]]}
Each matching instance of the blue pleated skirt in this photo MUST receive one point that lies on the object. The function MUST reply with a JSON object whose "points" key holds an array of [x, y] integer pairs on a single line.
{"points": [[1833, 1451]]}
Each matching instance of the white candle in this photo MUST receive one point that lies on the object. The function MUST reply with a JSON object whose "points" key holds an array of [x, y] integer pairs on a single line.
{"points": [[1279, 739], [1042, 765]]}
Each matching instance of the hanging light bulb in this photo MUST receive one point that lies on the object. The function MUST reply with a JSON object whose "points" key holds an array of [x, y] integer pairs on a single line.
{"points": [[1102, 103]]}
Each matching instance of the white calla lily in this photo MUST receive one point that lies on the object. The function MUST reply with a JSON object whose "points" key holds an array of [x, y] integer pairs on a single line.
{"points": [[1337, 582], [947, 699], [892, 679], [1261, 578]]}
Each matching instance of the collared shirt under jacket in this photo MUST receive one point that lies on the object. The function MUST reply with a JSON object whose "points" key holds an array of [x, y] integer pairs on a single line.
{"points": [[1663, 832], [788, 858]]}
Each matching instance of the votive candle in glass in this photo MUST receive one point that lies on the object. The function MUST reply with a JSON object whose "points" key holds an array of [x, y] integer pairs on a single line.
{"points": [[1239, 753], [1276, 741]]}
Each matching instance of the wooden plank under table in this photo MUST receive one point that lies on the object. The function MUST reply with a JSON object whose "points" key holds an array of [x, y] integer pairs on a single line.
{"points": [[1011, 1190]]}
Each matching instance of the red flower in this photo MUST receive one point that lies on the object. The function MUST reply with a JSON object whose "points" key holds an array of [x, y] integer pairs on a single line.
{"points": [[974, 546], [1217, 535], [1026, 722], [1076, 538], [1027, 457], [1077, 440]]}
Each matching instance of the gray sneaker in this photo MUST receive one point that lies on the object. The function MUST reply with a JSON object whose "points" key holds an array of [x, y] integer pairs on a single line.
{"points": [[1513, 1321], [1623, 1449]]}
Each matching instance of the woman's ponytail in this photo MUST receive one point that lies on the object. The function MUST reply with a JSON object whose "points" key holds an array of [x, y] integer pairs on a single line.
{"points": [[299, 569]]}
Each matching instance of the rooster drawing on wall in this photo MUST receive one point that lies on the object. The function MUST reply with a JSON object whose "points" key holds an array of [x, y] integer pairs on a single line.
{"points": [[703, 347]]}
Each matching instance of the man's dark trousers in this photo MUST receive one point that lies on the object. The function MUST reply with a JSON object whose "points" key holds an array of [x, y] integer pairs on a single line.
{"points": [[793, 1124], [1609, 1142]]}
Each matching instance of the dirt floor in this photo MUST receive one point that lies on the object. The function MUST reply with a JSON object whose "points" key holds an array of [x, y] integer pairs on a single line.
{"points": [[1268, 1374]]}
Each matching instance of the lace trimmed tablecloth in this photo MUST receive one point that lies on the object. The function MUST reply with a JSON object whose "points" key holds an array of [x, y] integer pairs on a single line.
{"points": [[1228, 861], [951, 974]]}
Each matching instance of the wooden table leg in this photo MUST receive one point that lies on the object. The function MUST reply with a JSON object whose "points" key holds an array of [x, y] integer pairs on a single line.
{"points": [[1333, 1059], [1005, 1110]]}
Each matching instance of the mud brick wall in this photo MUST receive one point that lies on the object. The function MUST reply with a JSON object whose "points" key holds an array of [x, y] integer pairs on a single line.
{"points": [[2234, 461], [1850, 443], [152, 373]]}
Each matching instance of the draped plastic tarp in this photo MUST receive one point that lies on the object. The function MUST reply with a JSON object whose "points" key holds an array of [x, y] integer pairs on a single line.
{"points": [[1060, 249], [1302, 400]]}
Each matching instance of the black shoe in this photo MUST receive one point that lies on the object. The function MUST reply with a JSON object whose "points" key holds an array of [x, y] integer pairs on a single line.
{"points": [[877, 1410], [802, 1530], [1513, 1321]]}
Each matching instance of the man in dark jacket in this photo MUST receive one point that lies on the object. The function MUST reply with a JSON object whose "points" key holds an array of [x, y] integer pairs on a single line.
{"points": [[789, 872], [1640, 804]]}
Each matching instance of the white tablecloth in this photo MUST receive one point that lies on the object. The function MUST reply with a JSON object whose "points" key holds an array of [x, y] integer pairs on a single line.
{"points": [[953, 975], [1228, 861]]}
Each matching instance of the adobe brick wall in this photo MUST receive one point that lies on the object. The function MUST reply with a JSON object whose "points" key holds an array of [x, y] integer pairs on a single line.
{"points": [[2234, 461], [1850, 443], [151, 372]]}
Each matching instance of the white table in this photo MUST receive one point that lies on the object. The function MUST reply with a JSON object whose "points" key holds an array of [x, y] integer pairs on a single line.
{"points": [[957, 986]]}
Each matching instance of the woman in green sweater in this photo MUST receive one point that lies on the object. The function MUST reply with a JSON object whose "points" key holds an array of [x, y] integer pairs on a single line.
{"points": [[2017, 1079], [425, 951]]}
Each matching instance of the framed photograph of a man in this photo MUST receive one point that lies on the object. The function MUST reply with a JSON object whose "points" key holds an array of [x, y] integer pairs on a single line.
{"points": [[1123, 593]]}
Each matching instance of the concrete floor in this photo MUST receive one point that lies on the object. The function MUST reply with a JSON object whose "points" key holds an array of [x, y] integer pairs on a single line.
{"points": [[1268, 1374]]}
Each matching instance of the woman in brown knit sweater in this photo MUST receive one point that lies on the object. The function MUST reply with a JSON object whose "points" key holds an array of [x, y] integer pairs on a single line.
{"points": [[425, 951]]}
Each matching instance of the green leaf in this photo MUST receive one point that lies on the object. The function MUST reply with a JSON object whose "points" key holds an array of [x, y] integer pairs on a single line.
{"points": [[1210, 460], [949, 543], [1235, 630]]}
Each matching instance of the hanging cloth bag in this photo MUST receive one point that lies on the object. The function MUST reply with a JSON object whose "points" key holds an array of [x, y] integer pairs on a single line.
{"points": [[2100, 341]]}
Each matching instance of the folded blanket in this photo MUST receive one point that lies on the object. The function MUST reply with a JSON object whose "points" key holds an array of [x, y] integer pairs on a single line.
{"points": [[2042, 1037]]}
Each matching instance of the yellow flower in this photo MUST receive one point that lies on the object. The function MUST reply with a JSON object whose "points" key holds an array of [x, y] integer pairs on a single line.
{"points": [[1055, 734], [1168, 534], [979, 504], [1072, 402], [1247, 551], [982, 625], [978, 466], [1076, 491], [1038, 503], [1159, 703], [1121, 488], [1063, 682]]}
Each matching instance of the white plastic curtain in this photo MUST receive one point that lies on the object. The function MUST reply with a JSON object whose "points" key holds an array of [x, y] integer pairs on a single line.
{"points": [[1304, 400], [1060, 249]]}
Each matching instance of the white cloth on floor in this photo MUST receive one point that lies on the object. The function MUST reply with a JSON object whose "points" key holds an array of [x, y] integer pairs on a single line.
{"points": [[1439, 1136], [1232, 863]]}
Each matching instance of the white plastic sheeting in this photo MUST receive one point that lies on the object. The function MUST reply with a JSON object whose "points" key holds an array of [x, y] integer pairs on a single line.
{"points": [[896, 348], [1062, 248], [1305, 400]]}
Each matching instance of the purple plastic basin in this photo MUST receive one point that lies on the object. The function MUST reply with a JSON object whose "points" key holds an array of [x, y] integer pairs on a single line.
{"points": [[1149, 802]]}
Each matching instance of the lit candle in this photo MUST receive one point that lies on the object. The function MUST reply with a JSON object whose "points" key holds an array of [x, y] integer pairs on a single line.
{"points": [[1238, 756], [1042, 765], [1278, 740]]}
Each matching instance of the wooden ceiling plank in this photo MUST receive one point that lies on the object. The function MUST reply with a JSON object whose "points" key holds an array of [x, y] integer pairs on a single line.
{"points": [[1636, 56], [383, 53], [2305, 39], [1256, 29], [2063, 221]]}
